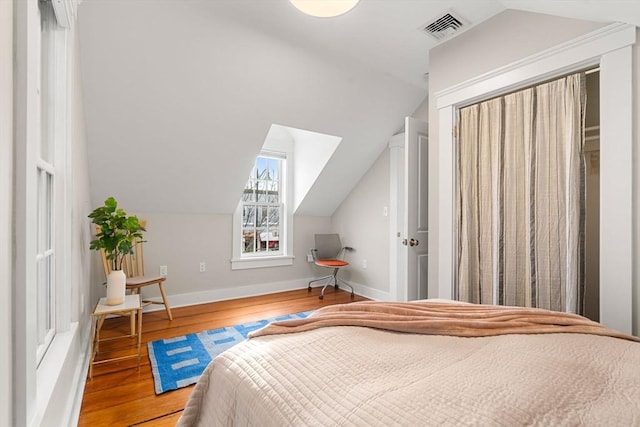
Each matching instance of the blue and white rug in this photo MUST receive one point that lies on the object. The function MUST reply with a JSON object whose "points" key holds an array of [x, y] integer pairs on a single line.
{"points": [[178, 362]]}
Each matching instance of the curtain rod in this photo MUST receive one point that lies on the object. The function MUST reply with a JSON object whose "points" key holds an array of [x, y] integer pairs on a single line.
{"points": [[593, 70]]}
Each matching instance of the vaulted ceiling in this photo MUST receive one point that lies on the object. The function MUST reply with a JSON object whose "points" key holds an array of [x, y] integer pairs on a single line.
{"points": [[179, 95]]}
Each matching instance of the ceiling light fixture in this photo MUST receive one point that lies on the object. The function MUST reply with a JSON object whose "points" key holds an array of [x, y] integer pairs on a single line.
{"points": [[324, 8]]}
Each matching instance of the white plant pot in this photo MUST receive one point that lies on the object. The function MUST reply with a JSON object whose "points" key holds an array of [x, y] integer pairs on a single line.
{"points": [[116, 287]]}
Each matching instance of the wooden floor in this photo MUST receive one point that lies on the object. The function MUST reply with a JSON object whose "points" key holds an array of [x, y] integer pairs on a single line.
{"points": [[120, 395]]}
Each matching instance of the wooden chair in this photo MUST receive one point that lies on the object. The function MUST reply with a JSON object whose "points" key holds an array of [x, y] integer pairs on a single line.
{"points": [[133, 266]]}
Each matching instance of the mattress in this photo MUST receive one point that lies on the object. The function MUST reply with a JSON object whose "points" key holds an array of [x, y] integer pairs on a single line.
{"points": [[365, 376]]}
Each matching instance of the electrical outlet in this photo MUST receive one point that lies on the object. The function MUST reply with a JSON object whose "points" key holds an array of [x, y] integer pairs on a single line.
{"points": [[163, 270], [203, 267], [364, 263], [385, 211], [309, 258]]}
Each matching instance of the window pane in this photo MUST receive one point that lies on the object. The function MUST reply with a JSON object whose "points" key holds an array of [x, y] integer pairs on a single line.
{"points": [[40, 224], [273, 193], [248, 228], [44, 319], [248, 240], [274, 217], [261, 168], [47, 19], [262, 191], [249, 216], [274, 169], [249, 192], [262, 207], [48, 211], [44, 209], [262, 216]]}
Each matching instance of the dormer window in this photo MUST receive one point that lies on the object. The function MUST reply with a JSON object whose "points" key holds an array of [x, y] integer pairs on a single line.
{"points": [[262, 207], [262, 234], [263, 221]]}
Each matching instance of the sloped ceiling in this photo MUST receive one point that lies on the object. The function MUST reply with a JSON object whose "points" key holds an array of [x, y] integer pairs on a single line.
{"points": [[179, 95]]}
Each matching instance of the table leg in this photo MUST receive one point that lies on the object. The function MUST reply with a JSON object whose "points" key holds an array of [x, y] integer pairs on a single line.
{"points": [[132, 318], [93, 345], [101, 319], [139, 311]]}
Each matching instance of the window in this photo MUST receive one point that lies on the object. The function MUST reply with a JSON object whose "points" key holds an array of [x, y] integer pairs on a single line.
{"points": [[262, 206], [45, 186], [47, 313], [45, 287], [261, 224]]}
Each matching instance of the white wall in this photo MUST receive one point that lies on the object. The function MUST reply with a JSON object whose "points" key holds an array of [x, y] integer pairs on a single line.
{"points": [[205, 93], [359, 220], [6, 207], [80, 201], [181, 242], [361, 224]]}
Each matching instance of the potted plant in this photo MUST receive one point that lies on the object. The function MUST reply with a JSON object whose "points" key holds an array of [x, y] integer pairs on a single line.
{"points": [[117, 234]]}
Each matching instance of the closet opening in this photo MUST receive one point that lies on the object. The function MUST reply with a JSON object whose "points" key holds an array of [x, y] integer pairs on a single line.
{"points": [[611, 50], [528, 182], [592, 200]]}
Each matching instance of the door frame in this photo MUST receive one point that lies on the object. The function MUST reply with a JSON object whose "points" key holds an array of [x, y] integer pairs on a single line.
{"points": [[610, 48], [397, 277]]}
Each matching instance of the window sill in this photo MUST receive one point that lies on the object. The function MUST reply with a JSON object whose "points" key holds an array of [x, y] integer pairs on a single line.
{"points": [[261, 262]]}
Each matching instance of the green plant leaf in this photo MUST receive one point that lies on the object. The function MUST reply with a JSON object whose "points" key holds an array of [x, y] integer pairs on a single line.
{"points": [[117, 232]]}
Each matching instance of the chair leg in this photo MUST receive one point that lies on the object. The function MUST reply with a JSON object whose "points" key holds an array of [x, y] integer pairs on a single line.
{"points": [[316, 280], [321, 296], [348, 285], [332, 279], [164, 300]]}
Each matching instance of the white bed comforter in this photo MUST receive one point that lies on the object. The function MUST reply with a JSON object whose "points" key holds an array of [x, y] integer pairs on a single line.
{"points": [[355, 376]]}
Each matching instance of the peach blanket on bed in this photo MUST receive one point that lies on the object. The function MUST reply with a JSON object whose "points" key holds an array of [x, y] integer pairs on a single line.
{"points": [[443, 318], [366, 376]]}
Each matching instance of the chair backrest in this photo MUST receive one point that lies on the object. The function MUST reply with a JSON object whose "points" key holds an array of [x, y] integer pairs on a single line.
{"points": [[328, 246], [133, 264]]}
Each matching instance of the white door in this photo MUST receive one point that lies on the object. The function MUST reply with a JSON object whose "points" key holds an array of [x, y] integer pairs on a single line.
{"points": [[409, 211]]}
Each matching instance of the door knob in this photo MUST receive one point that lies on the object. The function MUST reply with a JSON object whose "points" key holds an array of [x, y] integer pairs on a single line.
{"points": [[412, 242]]}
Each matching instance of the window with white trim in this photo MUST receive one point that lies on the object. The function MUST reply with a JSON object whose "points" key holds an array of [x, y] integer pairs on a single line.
{"points": [[262, 207], [46, 185], [262, 222]]}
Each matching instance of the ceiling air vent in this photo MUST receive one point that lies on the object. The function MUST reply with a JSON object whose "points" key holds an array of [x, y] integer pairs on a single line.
{"points": [[446, 26]]}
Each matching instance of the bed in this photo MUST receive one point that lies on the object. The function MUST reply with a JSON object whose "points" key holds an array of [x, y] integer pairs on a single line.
{"points": [[420, 364]]}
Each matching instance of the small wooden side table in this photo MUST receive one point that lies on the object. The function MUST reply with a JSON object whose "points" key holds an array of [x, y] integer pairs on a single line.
{"points": [[131, 305]]}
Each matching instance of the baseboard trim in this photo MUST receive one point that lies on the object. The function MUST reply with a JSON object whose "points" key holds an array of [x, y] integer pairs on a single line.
{"points": [[371, 293], [214, 295]]}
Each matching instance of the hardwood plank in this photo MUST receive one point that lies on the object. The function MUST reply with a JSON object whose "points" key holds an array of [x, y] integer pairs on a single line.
{"points": [[164, 421], [121, 395]]}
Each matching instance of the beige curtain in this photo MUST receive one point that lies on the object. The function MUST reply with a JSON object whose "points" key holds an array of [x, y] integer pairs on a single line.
{"points": [[521, 198]]}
